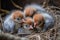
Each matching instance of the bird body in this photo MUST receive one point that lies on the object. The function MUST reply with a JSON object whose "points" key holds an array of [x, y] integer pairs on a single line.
{"points": [[44, 20], [9, 22], [49, 21]]}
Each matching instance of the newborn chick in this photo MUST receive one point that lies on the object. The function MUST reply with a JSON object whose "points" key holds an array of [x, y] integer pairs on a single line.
{"points": [[31, 9], [9, 22], [28, 23], [27, 26], [43, 21]]}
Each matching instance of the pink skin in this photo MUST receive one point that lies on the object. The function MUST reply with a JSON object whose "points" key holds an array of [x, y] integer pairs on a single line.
{"points": [[23, 21], [35, 24], [30, 27]]}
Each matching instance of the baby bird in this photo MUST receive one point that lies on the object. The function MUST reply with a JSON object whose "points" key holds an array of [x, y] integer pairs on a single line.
{"points": [[27, 26], [28, 23], [43, 21], [31, 9], [9, 22]]}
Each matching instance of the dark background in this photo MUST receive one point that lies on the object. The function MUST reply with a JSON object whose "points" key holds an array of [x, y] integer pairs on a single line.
{"points": [[6, 4]]}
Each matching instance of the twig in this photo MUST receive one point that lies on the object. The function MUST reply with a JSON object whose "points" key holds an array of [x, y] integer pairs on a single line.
{"points": [[9, 36], [17, 6], [54, 7], [45, 3], [1, 22], [35, 35], [5, 11]]}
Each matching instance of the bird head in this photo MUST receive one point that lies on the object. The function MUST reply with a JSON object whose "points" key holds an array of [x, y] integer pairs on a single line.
{"points": [[29, 11], [17, 15], [29, 22], [38, 20]]}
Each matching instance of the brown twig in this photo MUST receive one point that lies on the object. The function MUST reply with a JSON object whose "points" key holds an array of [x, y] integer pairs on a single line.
{"points": [[10, 36], [5, 11], [17, 6], [54, 7]]}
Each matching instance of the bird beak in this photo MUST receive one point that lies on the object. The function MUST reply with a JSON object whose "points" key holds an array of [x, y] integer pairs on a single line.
{"points": [[23, 21], [30, 27], [35, 24]]}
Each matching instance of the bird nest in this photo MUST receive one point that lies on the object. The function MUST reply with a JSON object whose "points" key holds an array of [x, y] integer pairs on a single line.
{"points": [[52, 34]]}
